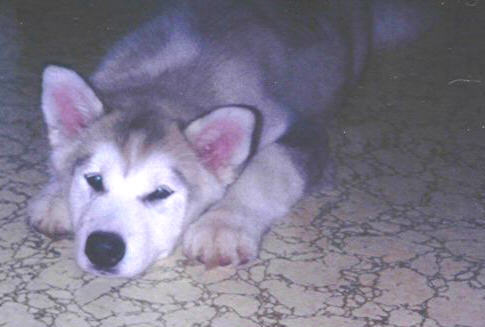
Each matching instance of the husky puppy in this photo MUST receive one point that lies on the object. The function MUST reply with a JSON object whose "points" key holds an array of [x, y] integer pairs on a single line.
{"points": [[203, 127]]}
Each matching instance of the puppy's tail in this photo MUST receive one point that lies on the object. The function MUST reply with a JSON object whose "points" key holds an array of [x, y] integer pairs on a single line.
{"points": [[400, 22]]}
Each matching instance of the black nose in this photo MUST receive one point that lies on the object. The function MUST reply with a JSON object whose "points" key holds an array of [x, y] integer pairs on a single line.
{"points": [[105, 249]]}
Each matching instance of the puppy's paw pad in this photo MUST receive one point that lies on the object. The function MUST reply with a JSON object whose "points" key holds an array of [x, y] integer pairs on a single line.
{"points": [[215, 244], [50, 218]]}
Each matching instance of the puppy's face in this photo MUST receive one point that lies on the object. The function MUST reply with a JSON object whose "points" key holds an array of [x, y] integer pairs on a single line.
{"points": [[125, 215], [134, 179]]}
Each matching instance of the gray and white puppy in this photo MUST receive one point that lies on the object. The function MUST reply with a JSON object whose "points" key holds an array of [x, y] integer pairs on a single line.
{"points": [[205, 126]]}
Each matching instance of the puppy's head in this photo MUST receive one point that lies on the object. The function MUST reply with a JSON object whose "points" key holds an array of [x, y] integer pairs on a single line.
{"points": [[135, 180]]}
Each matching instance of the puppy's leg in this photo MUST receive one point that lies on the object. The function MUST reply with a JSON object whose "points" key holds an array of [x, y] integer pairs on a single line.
{"points": [[274, 180], [48, 211]]}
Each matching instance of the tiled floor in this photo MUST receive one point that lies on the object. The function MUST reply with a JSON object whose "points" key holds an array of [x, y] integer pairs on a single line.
{"points": [[399, 242]]}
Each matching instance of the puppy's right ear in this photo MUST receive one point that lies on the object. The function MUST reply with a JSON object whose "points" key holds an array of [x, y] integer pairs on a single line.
{"points": [[68, 103]]}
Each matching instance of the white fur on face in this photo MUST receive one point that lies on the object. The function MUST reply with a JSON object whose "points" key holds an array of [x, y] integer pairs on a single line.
{"points": [[150, 230]]}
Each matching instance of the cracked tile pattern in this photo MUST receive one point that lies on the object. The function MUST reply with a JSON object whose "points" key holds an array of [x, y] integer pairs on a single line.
{"points": [[399, 242]]}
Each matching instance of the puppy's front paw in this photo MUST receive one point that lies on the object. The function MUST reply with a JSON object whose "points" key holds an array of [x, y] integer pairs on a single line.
{"points": [[215, 242], [48, 214]]}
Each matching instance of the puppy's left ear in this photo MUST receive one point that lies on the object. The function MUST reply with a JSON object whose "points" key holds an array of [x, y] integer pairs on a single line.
{"points": [[222, 140], [68, 103]]}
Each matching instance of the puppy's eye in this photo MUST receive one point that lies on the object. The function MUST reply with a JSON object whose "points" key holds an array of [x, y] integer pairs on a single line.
{"points": [[162, 192], [95, 181]]}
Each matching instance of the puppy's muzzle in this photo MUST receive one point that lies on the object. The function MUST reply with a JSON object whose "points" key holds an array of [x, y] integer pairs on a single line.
{"points": [[104, 249]]}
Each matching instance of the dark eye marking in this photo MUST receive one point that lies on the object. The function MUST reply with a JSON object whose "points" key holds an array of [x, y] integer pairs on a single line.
{"points": [[162, 192], [95, 181]]}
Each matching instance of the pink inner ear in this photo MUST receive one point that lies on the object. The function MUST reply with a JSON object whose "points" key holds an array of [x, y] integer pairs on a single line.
{"points": [[71, 118], [216, 152]]}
